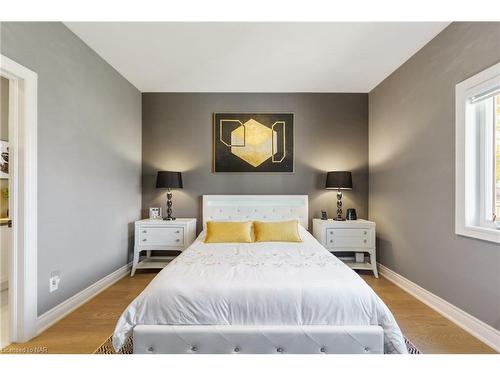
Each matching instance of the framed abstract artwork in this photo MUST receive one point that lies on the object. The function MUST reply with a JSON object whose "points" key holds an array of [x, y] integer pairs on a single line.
{"points": [[253, 142]]}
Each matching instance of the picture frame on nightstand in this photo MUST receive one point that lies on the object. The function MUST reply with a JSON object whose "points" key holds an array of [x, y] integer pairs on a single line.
{"points": [[155, 213]]}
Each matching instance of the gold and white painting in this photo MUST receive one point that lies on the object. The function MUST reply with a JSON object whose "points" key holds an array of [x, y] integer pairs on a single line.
{"points": [[253, 142]]}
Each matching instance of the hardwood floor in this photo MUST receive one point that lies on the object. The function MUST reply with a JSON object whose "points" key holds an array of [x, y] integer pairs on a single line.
{"points": [[85, 329], [429, 331]]}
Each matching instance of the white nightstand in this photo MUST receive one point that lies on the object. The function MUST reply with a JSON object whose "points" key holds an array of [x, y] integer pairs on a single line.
{"points": [[356, 236], [158, 234]]}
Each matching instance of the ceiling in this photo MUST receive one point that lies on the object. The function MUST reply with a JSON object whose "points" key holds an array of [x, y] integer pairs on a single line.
{"points": [[256, 57]]}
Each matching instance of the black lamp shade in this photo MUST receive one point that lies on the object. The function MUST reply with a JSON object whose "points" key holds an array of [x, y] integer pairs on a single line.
{"points": [[168, 179], [338, 180]]}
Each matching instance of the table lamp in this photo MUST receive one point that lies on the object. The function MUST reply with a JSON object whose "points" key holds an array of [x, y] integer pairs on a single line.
{"points": [[169, 180], [339, 180]]}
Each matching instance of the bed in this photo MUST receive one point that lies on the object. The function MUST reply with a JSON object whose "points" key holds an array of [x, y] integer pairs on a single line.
{"points": [[268, 297]]}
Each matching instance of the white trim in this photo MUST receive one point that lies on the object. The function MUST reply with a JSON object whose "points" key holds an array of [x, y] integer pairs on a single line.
{"points": [[466, 173], [480, 330], [23, 109], [60, 311]]}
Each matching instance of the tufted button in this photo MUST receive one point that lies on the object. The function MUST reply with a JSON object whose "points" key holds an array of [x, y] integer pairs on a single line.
{"points": [[194, 348], [367, 349], [237, 349], [323, 349], [279, 350], [150, 349]]}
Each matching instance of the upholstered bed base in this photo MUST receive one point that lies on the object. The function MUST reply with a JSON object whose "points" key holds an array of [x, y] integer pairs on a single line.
{"points": [[226, 339]]}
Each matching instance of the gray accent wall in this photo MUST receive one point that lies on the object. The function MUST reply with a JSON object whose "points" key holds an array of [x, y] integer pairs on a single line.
{"points": [[331, 133], [89, 157], [412, 172]]}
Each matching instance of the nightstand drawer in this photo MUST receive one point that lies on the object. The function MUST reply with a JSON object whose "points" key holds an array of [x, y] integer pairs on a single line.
{"points": [[348, 238], [164, 236]]}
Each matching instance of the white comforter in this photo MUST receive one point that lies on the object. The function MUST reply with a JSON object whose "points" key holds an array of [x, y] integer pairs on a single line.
{"points": [[270, 283]]}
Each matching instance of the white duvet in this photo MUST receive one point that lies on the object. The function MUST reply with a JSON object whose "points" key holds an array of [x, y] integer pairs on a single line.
{"points": [[267, 283]]}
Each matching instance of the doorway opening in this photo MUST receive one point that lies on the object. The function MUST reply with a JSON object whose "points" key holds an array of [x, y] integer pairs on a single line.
{"points": [[18, 202], [5, 224]]}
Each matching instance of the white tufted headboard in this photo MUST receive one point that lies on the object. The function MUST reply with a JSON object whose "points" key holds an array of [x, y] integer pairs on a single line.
{"points": [[256, 207]]}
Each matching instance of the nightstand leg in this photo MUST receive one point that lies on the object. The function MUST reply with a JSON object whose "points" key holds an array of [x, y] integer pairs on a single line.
{"points": [[148, 253], [374, 268], [135, 261]]}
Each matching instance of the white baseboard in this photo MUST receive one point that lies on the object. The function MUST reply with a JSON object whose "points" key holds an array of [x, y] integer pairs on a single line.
{"points": [[480, 330], [60, 311]]}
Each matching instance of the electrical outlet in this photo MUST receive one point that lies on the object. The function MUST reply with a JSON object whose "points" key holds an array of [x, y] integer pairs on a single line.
{"points": [[54, 280]]}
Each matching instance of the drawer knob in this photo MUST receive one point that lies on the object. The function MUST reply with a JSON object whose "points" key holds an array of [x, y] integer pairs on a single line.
{"points": [[364, 241], [331, 232], [331, 240], [178, 231], [144, 231], [144, 240], [365, 231], [178, 240]]}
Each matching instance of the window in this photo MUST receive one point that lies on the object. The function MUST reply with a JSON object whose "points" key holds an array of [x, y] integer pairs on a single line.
{"points": [[477, 206]]}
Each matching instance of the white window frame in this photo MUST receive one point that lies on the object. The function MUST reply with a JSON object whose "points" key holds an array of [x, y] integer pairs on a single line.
{"points": [[472, 167]]}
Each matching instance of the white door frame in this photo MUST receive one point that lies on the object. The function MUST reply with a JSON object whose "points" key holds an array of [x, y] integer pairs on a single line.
{"points": [[23, 202]]}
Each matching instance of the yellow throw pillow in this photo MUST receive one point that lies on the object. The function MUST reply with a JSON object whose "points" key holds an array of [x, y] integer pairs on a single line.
{"points": [[282, 231], [228, 231]]}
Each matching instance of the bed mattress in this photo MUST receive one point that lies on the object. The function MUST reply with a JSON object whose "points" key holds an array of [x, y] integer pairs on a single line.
{"points": [[268, 283]]}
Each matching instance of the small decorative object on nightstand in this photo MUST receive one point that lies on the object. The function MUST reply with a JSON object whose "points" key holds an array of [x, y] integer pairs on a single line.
{"points": [[352, 236], [351, 214], [151, 234], [339, 180], [169, 180]]}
